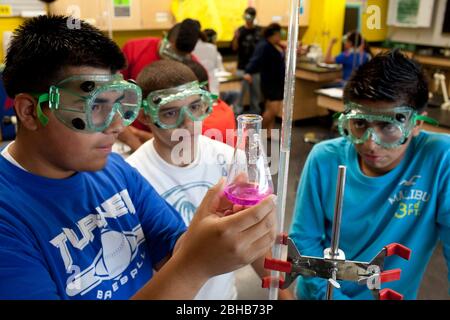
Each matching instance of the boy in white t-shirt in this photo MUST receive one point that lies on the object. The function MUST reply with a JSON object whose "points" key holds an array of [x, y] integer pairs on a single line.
{"points": [[182, 172]]}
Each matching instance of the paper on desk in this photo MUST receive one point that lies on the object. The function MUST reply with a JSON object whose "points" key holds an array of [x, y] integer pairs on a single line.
{"points": [[328, 65], [337, 93], [222, 74]]}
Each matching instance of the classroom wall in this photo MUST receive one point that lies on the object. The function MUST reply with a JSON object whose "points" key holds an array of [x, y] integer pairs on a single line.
{"points": [[368, 14], [424, 36], [7, 24], [326, 21], [375, 34]]}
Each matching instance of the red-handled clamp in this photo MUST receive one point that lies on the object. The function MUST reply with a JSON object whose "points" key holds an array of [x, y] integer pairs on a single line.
{"points": [[370, 273], [389, 294]]}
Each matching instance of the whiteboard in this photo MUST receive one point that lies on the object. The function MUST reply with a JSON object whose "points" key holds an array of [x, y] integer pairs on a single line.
{"points": [[410, 13], [26, 8]]}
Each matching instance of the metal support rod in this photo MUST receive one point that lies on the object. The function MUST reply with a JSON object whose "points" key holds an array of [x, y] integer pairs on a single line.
{"points": [[334, 248], [286, 127], [331, 284]]}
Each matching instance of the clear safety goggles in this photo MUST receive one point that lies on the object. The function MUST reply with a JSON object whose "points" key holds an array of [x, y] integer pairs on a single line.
{"points": [[166, 51], [388, 128], [248, 17], [89, 103], [168, 111]]}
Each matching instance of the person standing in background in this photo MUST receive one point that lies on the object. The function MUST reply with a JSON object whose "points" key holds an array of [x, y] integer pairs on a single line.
{"points": [[177, 45], [268, 59], [244, 42], [210, 58], [355, 54]]}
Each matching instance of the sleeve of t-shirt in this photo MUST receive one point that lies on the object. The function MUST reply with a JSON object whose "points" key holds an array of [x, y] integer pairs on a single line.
{"points": [[308, 225], [161, 223], [257, 59], [340, 59], [443, 213], [23, 272]]}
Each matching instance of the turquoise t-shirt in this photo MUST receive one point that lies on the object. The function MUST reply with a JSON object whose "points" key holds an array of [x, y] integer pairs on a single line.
{"points": [[409, 205]]}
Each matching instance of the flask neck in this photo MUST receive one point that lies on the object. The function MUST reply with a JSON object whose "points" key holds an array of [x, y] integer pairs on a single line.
{"points": [[249, 122]]}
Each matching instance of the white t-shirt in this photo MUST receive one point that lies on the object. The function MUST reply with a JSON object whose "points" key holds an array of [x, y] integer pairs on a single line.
{"points": [[211, 59], [185, 187], [5, 153]]}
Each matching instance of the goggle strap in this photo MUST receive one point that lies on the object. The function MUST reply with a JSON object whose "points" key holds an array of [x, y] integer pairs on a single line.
{"points": [[40, 114], [337, 115], [427, 120]]}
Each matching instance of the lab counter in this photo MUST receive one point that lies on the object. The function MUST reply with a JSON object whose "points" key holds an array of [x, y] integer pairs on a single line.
{"points": [[309, 78]]}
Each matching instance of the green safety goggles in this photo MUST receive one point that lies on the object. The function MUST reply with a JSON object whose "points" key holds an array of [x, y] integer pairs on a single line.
{"points": [[388, 128], [166, 51], [169, 107], [89, 103], [249, 17]]}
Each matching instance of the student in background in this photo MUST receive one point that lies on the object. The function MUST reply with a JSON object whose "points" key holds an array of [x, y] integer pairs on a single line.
{"points": [[244, 42], [177, 45], [355, 54], [211, 59], [230, 97], [268, 60]]}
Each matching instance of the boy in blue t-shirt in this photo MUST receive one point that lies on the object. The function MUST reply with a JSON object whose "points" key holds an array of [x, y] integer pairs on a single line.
{"points": [[355, 54], [396, 188], [77, 222]]}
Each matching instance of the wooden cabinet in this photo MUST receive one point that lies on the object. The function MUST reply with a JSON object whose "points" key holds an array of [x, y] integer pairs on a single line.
{"points": [[85, 9], [304, 17], [98, 13], [124, 18], [157, 14], [269, 11]]}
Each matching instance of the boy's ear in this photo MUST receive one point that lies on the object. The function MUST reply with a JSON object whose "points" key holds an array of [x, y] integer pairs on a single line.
{"points": [[25, 108], [418, 126]]}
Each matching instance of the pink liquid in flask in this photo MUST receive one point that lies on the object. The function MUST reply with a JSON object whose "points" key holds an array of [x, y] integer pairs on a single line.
{"points": [[246, 194]]}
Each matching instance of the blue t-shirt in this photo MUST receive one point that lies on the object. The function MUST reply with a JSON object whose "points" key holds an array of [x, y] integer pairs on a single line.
{"points": [[351, 61], [409, 205], [95, 235]]}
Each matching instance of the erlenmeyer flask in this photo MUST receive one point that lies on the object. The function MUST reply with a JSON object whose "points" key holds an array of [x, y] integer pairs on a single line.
{"points": [[249, 179]]}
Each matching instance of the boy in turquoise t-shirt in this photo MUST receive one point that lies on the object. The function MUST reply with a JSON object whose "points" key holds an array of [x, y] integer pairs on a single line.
{"points": [[396, 188]]}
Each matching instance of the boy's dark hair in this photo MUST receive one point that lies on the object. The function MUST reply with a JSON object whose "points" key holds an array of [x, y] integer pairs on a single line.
{"points": [[199, 71], [250, 11], [271, 29], [389, 77], [211, 35], [172, 34], [43, 46], [164, 74], [185, 35], [355, 38]]}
